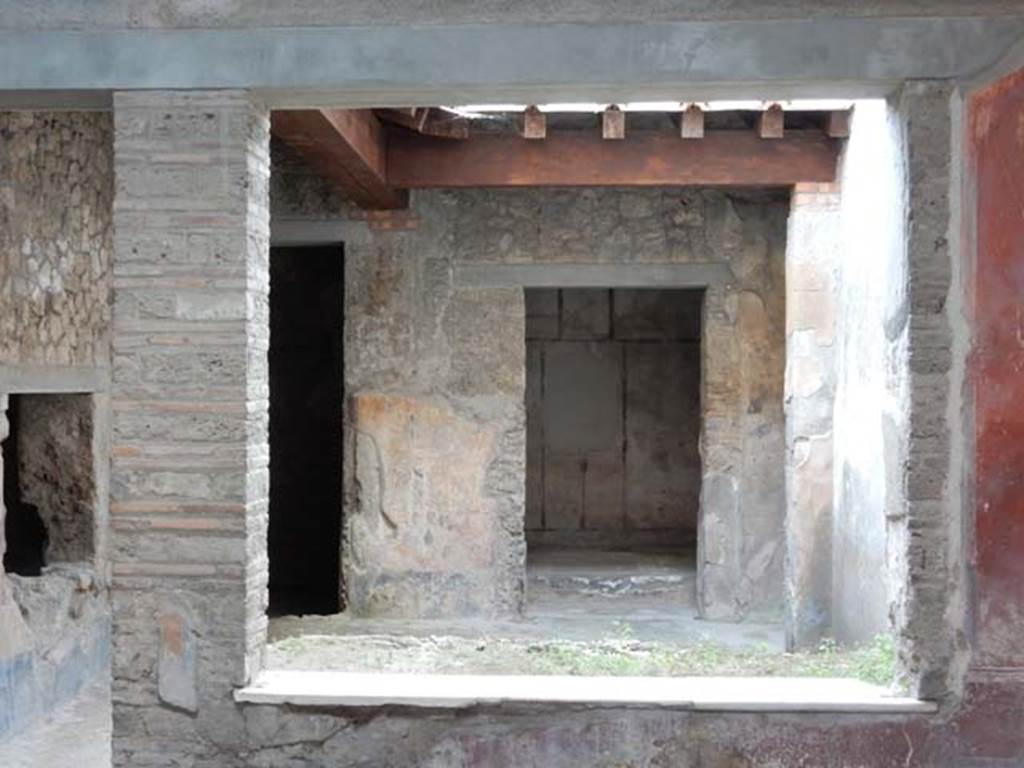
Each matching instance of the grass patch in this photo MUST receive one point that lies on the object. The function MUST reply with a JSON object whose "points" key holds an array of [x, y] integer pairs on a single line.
{"points": [[618, 655]]}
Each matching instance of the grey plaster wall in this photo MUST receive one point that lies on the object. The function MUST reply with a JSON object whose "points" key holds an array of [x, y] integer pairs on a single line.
{"points": [[56, 192], [589, 58], [872, 394], [613, 416], [892, 546], [814, 253]]}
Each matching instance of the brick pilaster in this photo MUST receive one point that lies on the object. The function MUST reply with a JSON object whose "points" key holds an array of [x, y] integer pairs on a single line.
{"points": [[189, 402]]}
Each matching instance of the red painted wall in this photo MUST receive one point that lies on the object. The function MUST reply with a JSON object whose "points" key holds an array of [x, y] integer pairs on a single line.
{"points": [[996, 141]]}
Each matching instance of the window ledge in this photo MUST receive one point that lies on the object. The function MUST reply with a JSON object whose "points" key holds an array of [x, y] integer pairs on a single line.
{"points": [[713, 694]]}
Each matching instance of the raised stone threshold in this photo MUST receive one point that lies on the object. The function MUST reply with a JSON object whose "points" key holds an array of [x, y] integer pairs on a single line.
{"points": [[709, 694]]}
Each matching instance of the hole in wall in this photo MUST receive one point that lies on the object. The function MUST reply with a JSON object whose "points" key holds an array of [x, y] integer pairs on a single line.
{"points": [[49, 481]]}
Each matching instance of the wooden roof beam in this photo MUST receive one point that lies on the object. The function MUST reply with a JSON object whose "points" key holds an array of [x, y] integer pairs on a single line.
{"points": [[348, 146], [691, 123], [837, 124], [428, 120], [771, 123], [582, 158], [613, 123], [535, 124]]}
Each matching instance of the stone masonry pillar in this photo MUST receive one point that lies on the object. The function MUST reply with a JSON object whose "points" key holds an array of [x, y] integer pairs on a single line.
{"points": [[189, 472], [812, 248]]}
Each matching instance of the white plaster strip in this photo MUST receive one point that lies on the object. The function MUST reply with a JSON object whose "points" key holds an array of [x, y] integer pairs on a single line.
{"points": [[724, 694], [548, 275]]}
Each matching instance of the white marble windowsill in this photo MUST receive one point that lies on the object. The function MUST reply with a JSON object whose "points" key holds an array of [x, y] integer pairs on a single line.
{"points": [[715, 694]]}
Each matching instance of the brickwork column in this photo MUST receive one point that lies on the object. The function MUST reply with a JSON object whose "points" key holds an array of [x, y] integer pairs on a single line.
{"points": [[927, 545], [189, 472]]}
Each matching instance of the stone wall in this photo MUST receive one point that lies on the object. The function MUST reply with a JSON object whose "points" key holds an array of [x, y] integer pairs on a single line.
{"points": [[435, 372], [56, 188], [613, 416], [434, 379], [538, 736]]}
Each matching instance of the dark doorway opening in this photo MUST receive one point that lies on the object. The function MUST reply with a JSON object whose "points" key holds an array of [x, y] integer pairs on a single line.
{"points": [[306, 400], [24, 530], [613, 464]]}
